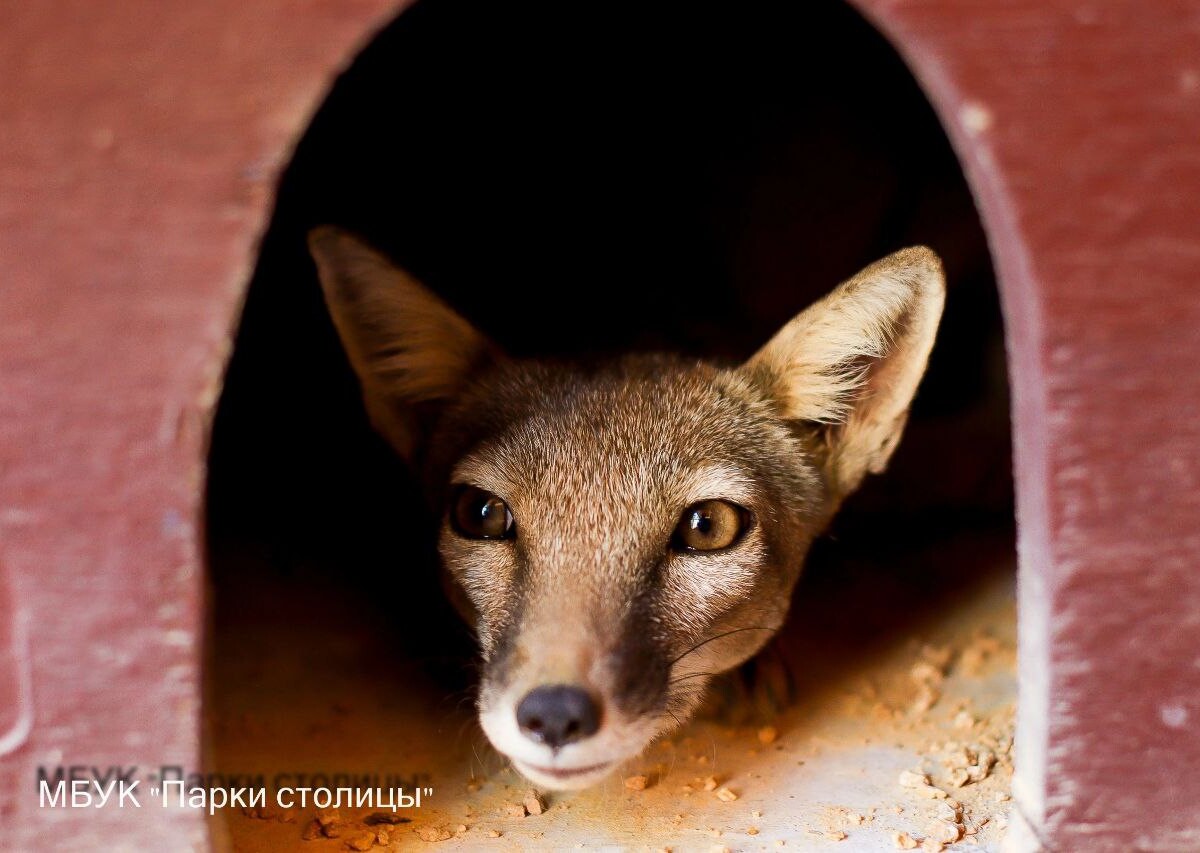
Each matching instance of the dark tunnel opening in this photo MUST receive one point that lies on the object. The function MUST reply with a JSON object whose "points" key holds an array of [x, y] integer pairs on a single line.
{"points": [[580, 182]]}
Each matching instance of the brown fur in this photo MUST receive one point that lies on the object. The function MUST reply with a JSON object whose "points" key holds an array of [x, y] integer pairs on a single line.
{"points": [[597, 464]]}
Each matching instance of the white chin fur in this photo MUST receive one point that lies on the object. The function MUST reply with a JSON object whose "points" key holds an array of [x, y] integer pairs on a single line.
{"points": [[574, 782]]}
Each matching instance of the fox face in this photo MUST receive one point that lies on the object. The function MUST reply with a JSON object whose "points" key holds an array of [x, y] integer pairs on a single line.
{"points": [[620, 533]]}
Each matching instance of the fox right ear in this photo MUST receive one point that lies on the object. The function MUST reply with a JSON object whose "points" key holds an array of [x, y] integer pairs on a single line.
{"points": [[407, 346], [851, 362]]}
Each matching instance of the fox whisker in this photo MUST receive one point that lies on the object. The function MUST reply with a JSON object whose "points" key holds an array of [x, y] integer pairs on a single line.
{"points": [[721, 636]]}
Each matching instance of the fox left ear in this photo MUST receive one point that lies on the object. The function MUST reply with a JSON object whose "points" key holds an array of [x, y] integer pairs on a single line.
{"points": [[853, 360], [410, 350]]}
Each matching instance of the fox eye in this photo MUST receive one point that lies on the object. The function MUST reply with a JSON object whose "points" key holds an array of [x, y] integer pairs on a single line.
{"points": [[710, 526], [477, 514]]}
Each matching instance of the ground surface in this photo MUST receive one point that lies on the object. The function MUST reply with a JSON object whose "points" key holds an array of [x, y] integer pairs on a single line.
{"points": [[901, 667]]}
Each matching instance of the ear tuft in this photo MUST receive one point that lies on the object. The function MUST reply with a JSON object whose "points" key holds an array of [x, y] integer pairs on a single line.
{"points": [[407, 346], [853, 360]]}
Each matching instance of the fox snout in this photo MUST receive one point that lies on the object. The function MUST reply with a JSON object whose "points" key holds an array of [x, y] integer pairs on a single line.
{"points": [[553, 717], [619, 533], [566, 729]]}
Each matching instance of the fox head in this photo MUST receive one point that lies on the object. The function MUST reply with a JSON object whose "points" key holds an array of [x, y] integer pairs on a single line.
{"points": [[619, 534]]}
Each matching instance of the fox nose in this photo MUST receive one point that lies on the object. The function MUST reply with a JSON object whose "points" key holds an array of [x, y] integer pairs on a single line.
{"points": [[558, 714]]}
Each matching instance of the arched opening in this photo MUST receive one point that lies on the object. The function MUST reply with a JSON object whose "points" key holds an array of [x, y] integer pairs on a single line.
{"points": [[701, 175]]}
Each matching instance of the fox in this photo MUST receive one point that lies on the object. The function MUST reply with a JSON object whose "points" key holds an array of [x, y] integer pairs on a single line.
{"points": [[617, 534]]}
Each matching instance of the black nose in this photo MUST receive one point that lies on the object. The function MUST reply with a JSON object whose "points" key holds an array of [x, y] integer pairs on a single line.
{"points": [[558, 714]]}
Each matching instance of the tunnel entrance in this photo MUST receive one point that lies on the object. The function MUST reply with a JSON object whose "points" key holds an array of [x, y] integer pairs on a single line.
{"points": [[588, 182]]}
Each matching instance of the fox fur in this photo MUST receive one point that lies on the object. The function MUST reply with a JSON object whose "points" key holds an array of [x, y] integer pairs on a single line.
{"points": [[596, 465]]}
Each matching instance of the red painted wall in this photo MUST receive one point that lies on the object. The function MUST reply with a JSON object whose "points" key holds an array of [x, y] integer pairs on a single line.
{"points": [[139, 143], [138, 149]]}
